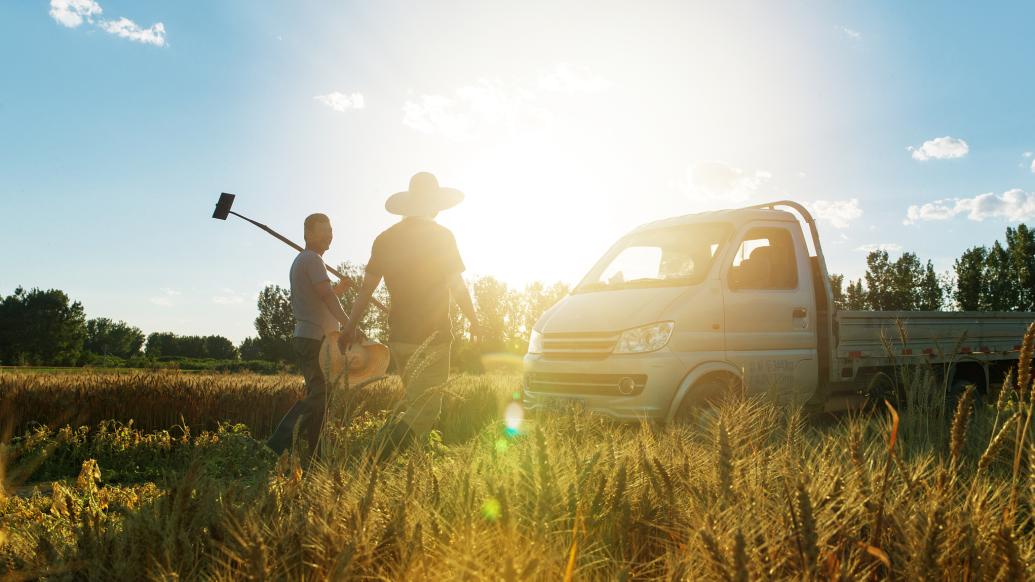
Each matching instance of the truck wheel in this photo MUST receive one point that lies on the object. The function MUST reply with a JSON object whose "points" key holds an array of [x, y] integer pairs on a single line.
{"points": [[703, 398], [880, 388]]}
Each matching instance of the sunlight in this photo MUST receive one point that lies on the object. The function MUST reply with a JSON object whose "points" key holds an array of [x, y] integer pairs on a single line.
{"points": [[534, 210]]}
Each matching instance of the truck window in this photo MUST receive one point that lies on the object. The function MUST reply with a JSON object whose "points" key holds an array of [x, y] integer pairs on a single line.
{"points": [[669, 256], [765, 260]]}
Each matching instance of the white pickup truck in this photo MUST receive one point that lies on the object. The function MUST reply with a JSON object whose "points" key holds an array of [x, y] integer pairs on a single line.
{"points": [[681, 308]]}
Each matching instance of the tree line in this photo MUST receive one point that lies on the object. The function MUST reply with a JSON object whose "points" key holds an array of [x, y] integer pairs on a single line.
{"points": [[46, 327], [996, 278]]}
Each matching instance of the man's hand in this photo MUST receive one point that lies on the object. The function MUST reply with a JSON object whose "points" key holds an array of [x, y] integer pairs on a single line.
{"points": [[342, 286], [350, 334]]}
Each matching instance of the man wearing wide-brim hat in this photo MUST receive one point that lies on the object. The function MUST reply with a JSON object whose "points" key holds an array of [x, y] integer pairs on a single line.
{"points": [[421, 266]]}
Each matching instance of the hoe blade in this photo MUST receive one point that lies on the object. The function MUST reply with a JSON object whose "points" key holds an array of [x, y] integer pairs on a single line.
{"points": [[223, 206]]}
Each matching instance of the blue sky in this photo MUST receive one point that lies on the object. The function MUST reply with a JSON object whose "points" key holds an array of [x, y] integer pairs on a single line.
{"points": [[908, 125]]}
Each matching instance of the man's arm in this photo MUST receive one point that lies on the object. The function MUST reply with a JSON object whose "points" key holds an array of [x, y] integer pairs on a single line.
{"points": [[463, 299], [371, 279], [330, 299]]}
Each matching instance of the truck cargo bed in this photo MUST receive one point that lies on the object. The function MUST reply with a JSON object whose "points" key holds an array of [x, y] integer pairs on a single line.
{"points": [[865, 337]]}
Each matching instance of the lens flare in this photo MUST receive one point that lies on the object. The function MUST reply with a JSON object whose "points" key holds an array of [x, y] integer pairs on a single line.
{"points": [[513, 416], [491, 509], [502, 445]]}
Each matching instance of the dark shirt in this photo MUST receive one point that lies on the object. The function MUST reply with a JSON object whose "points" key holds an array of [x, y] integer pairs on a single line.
{"points": [[418, 258]]}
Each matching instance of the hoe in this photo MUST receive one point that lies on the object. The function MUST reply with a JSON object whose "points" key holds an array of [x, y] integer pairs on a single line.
{"points": [[223, 210]]}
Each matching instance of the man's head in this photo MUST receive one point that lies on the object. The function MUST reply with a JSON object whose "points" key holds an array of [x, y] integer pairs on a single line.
{"points": [[318, 233]]}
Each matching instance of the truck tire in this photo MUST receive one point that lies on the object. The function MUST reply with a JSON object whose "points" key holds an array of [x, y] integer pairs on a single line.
{"points": [[703, 398], [882, 387]]}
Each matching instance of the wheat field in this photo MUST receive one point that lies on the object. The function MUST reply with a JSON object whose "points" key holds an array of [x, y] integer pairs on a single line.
{"points": [[161, 477]]}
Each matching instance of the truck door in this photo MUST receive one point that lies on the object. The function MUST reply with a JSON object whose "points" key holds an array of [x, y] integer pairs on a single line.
{"points": [[770, 312]]}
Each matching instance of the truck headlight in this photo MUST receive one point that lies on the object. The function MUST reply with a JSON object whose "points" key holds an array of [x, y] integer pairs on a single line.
{"points": [[647, 338], [535, 342]]}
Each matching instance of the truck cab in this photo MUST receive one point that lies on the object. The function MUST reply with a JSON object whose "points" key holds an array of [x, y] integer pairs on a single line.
{"points": [[680, 303]]}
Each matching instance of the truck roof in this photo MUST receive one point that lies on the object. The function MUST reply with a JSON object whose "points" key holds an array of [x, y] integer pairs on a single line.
{"points": [[735, 216]]}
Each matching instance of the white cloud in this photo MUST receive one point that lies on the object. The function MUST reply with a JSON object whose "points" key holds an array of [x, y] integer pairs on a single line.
{"points": [[1033, 166], [852, 34], [126, 28], [937, 210], [887, 247], [492, 104], [72, 13], [1027, 154], [473, 109], [940, 148], [725, 185], [341, 102], [839, 213], [1012, 205]]}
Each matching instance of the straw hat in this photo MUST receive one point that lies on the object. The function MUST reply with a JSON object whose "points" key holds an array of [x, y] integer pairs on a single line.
{"points": [[424, 198], [364, 361]]}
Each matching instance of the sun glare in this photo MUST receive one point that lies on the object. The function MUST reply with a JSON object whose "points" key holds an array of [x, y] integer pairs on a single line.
{"points": [[532, 211]]}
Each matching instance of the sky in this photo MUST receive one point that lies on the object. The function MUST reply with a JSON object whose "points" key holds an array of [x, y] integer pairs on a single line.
{"points": [[907, 126]]}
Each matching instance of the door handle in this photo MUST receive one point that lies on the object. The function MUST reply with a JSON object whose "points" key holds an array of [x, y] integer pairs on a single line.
{"points": [[799, 313]]}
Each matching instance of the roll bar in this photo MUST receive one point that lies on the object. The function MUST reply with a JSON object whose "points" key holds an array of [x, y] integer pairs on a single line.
{"points": [[813, 233]]}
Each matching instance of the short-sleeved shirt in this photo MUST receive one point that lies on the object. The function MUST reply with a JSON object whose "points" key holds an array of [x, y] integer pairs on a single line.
{"points": [[312, 318], [418, 258]]}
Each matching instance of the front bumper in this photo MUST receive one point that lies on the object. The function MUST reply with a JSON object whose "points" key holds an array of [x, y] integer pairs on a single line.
{"points": [[550, 383]]}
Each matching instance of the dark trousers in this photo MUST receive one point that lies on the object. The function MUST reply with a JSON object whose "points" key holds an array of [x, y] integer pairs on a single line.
{"points": [[308, 412]]}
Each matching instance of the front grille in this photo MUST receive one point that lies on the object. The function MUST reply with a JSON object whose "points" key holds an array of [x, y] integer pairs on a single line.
{"points": [[599, 384], [579, 346]]}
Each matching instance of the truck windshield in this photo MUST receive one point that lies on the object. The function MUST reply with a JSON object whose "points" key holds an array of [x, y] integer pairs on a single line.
{"points": [[672, 256]]}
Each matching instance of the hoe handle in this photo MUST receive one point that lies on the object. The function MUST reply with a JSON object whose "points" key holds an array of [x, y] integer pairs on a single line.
{"points": [[292, 244]]}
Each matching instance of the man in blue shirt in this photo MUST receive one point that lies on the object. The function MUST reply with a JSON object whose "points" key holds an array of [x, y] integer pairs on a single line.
{"points": [[317, 311]]}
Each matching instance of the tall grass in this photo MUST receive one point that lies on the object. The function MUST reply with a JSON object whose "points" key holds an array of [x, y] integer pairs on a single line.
{"points": [[152, 400], [754, 492]]}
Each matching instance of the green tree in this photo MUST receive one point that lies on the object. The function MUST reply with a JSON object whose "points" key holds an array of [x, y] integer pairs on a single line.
{"points": [[1020, 246], [931, 293], [880, 281], [904, 284], [837, 289], [999, 289], [41, 328], [219, 347], [105, 337], [160, 344], [275, 323], [855, 296], [250, 349], [375, 321], [907, 274], [493, 303], [969, 288]]}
